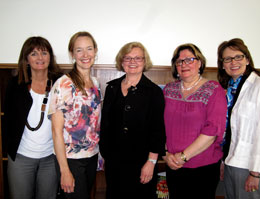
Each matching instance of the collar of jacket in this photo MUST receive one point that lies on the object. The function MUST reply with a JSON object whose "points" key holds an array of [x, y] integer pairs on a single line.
{"points": [[144, 82]]}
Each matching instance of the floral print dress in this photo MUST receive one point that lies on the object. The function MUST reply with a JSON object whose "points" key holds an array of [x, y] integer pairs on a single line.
{"points": [[82, 115]]}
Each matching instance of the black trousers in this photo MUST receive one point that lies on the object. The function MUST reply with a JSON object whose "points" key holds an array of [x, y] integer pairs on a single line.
{"points": [[200, 182], [84, 173], [123, 181]]}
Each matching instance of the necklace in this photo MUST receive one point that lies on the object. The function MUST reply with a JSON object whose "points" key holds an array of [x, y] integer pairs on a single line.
{"points": [[189, 88], [44, 102]]}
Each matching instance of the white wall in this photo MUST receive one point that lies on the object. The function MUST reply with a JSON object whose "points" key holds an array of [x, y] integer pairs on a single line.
{"points": [[161, 25]]}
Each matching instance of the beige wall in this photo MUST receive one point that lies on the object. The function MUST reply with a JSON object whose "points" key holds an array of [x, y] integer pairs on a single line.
{"points": [[161, 25]]}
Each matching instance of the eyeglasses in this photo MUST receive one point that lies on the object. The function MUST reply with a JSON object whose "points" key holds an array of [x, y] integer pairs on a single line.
{"points": [[186, 61], [230, 59], [136, 59]]}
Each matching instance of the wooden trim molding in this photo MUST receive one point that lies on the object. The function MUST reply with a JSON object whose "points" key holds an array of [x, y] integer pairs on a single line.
{"points": [[105, 72], [98, 66], [1, 160]]}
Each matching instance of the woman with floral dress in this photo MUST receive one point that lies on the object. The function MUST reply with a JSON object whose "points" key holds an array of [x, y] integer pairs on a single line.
{"points": [[75, 113]]}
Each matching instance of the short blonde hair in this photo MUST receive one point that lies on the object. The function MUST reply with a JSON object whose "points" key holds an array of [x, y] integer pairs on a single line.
{"points": [[127, 49]]}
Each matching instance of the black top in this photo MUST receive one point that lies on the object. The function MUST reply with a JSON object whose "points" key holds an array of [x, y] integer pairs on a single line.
{"points": [[18, 102], [132, 125]]}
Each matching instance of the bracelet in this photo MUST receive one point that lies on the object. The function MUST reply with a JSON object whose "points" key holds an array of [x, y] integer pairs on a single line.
{"points": [[152, 160], [183, 157], [254, 175]]}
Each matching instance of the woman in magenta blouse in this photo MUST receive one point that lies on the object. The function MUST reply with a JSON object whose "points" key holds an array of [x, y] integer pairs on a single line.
{"points": [[195, 111]]}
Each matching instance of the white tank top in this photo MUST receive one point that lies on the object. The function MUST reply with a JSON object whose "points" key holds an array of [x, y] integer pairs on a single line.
{"points": [[37, 144]]}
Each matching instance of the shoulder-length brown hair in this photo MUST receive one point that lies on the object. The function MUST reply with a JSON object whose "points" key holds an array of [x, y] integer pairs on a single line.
{"points": [[74, 74], [194, 50], [24, 71], [127, 49], [234, 44]]}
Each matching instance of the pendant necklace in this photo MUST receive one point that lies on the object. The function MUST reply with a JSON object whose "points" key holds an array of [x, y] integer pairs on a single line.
{"points": [[44, 102], [189, 88]]}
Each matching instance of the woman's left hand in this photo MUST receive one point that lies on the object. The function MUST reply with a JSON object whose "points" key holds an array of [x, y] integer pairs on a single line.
{"points": [[147, 172], [251, 184]]}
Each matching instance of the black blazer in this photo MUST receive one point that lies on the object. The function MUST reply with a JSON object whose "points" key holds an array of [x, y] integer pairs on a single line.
{"points": [[142, 124], [18, 102]]}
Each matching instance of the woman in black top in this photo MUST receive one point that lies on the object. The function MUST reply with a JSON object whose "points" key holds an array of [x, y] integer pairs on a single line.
{"points": [[27, 130], [132, 127]]}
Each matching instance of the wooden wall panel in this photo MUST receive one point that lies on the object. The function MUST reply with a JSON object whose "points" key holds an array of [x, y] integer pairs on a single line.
{"points": [[104, 73], [158, 74], [1, 160]]}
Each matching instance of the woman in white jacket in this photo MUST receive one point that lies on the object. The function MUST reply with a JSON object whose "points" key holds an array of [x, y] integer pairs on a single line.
{"points": [[241, 143]]}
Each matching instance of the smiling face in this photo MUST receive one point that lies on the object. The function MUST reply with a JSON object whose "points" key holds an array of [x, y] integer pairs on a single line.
{"points": [[84, 52], [188, 71], [235, 68], [133, 62], [39, 59]]}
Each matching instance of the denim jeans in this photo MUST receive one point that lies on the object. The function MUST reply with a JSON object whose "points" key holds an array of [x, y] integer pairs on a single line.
{"points": [[31, 178]]}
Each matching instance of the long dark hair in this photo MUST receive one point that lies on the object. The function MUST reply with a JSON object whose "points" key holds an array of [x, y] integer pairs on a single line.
{"points": [[235, 44], [74, 74], [24, 72]]}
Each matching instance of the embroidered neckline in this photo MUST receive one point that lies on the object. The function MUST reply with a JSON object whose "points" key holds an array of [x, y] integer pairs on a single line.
{"points": [[189, 88]]}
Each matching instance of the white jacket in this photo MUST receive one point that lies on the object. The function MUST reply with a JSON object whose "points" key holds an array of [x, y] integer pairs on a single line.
{"points": [[244, 149]]}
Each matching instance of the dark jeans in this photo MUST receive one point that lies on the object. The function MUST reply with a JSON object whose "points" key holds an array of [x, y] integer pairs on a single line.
{"points": [[84, 173], [198, 182], [32, 178]]}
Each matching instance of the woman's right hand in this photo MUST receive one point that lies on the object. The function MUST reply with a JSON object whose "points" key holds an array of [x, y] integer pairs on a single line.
{"points": [[67, 179], [67, 182], [172, 161]]}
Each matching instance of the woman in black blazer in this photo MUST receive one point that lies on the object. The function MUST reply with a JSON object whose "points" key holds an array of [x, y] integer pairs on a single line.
{"points": [[27, 130], [132, 127]]}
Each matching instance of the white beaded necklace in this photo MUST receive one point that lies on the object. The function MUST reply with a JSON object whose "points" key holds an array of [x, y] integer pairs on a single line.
{"points": [[189, 88]]}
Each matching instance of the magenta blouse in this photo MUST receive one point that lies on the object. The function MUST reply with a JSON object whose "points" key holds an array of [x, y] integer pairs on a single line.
{"points": [[202, 112]]}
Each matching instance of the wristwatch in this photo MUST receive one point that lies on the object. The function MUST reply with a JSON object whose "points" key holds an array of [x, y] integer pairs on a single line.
{"points": [[152, 161], [183, 157]]}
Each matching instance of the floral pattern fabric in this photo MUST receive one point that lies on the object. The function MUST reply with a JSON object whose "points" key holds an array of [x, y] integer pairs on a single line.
{"points": [[173, 91], [81, 116]]}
